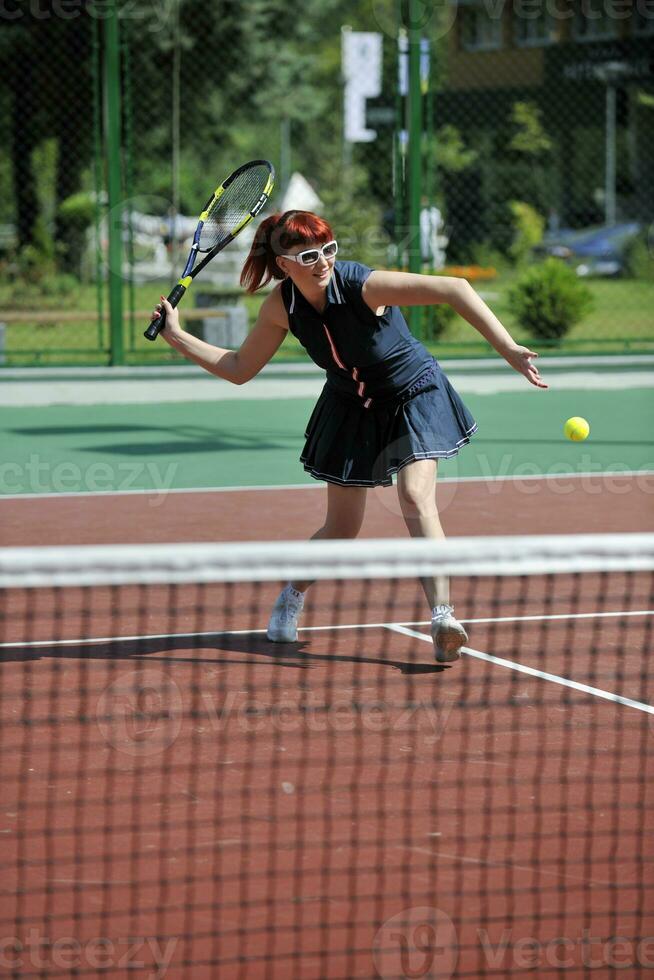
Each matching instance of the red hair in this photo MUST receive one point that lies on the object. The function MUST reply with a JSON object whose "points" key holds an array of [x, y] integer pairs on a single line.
{"points": [[275, 236]]}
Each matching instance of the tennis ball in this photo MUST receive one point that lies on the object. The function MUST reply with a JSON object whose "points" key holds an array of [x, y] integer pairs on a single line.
{"points": [[576, 429]]}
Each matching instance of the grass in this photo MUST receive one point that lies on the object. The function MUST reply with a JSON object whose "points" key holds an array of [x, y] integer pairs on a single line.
{"points": [[621, 320]]}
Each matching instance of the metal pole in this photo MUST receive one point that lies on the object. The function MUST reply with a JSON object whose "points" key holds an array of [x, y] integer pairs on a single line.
{"points": [[415, 152], [284, 153], [609, 185], [430, 163], [400, 217], [97, 181], [115, 210], [175, 127], [347, 146]]}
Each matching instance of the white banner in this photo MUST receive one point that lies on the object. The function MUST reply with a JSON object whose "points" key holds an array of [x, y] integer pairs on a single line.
{"points": [[362, 71]]}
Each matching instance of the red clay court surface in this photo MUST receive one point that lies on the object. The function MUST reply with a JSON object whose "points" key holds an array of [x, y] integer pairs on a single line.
{"points": [[571, 505], [459, 821]]}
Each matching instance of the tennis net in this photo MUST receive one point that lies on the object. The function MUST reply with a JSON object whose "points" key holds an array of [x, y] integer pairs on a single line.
{"points": [[182, 798]]}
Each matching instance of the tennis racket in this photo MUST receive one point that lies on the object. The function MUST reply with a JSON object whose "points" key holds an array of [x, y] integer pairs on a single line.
{"points": [[229, 209]]}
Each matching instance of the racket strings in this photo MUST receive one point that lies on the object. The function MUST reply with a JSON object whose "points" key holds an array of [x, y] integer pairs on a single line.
{"points": [[228, 211]]}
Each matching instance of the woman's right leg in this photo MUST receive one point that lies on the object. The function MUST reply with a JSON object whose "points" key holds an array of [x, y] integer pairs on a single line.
{"points": [[346, 507], [345, 510]]}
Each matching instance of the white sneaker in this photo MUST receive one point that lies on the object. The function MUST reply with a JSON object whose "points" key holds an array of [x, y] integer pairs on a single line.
{"points": [[447, 633], [282, 627]]}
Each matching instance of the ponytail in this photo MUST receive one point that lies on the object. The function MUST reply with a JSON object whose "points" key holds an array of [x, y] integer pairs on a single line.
{"points": [[275, 235], [261, 265]]}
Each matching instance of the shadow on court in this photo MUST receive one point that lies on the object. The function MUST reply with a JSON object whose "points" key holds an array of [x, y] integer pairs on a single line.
{"points": [[182, 649], [174, 439]]}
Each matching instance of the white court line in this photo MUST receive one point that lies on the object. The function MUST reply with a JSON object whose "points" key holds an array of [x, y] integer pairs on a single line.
{"points": [[533, 672], [314, 629], [33, 644], [531, 619], [320, 485]]}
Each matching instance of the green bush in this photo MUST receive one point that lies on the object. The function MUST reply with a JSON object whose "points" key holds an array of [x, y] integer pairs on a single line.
{"points": [[528, 228], [484, 255], [76, 215], [435, 321], [639, 258], [34, 283], [514, 228], [548, 300], [500, 227]]}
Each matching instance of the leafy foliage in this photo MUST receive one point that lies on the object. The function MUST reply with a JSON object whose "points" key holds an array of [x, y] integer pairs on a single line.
{"points": [[436, 320], [639, 256], [529, 135], [548, 300], [450, 151], [528, 228]]}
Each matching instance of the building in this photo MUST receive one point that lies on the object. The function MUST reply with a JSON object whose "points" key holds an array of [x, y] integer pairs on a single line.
{"points": [[588, 67]]}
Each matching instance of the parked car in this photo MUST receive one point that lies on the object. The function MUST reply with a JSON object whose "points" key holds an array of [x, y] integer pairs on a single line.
{"points": [[591, 251]]}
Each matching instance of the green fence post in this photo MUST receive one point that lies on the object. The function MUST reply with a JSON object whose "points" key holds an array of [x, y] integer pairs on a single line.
{"points": [[415, 155], [115, 208]]}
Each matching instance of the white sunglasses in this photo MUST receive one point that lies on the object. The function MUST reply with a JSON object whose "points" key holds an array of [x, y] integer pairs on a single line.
{"points": [[312, 255]]}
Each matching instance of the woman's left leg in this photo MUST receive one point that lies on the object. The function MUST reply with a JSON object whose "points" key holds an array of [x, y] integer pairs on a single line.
{"points": [[416, 490]]}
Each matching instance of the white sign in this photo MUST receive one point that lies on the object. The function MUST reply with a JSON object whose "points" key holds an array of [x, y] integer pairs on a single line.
{"points": [[362, 71]]}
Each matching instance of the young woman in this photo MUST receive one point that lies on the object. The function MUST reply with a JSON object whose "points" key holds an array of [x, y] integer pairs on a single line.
{"points": [[387, 407]]}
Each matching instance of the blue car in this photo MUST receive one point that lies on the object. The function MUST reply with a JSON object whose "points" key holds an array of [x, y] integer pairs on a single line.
{"points": [[591, 251]]}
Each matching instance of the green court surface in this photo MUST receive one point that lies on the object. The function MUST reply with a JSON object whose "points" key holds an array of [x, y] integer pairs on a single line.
{"points": [[246, 442]]}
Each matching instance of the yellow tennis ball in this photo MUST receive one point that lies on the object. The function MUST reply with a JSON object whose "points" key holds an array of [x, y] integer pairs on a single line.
{"points": [[576, 429]]}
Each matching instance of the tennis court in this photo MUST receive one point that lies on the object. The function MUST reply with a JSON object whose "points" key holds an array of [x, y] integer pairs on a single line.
{"points": [[182, 798], [188, 800], [291, 812]]}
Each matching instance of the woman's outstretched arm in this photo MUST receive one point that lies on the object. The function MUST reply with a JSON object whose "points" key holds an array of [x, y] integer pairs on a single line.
{"points": [[409, 289]]}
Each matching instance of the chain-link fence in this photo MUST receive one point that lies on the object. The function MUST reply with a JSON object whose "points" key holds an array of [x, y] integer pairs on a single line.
{"points": [[477, 138]]}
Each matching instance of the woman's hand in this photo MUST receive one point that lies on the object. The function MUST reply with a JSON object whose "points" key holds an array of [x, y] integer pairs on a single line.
{"points": [[172, 330], [521, 359]]}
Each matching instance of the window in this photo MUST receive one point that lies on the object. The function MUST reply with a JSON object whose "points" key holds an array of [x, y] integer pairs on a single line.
{"points": [[533, 23], [481, 30], [595, 20]]}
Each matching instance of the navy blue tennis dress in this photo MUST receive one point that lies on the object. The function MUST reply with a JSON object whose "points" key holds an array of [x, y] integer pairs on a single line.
{"points": [[386, 401]]}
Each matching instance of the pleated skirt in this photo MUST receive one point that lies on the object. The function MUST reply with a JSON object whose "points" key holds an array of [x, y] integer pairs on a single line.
{"points": [[350, 445]]}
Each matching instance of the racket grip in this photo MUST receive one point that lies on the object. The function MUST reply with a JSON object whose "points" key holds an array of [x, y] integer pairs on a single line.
{"points": [[159, 322]]}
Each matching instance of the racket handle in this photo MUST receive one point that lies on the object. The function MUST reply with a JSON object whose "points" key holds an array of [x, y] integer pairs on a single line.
{"points": [[159, 322]]}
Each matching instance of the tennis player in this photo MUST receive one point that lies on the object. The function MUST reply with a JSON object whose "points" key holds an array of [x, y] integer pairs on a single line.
{"points": [[386, 408]]}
